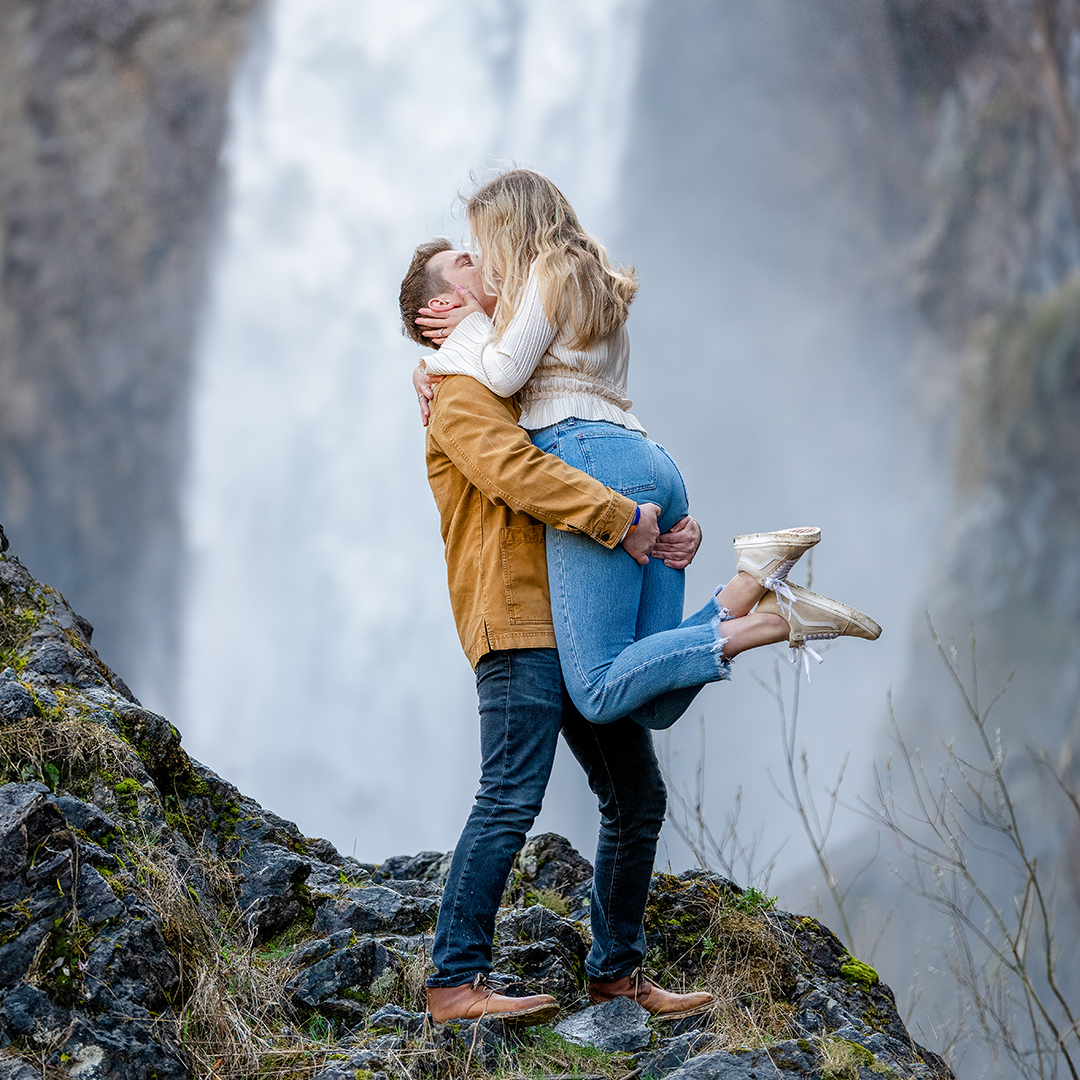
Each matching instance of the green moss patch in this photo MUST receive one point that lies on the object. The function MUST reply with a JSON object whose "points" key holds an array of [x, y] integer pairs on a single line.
{"points": [[858, 973]]}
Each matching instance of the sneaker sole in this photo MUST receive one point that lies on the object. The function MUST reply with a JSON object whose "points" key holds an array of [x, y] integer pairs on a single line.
{"points": [[808, 535]]}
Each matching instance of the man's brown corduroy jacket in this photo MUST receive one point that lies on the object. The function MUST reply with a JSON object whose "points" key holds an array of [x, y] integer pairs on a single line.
{"points": [[493, 489]]}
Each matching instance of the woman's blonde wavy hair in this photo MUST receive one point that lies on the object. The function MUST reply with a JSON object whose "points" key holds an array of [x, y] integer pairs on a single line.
{"points": [[520, 218]]}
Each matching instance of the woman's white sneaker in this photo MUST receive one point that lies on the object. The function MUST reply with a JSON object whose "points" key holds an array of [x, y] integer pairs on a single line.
{"points": [[812, 617], [767, 557]]}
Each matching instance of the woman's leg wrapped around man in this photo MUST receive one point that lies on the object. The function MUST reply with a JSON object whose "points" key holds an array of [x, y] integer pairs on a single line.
{"points": [[609, 672], [611, 615]]}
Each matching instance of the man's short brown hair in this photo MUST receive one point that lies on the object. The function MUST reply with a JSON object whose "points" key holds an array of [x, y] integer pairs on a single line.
{"points": [[420, 285]]}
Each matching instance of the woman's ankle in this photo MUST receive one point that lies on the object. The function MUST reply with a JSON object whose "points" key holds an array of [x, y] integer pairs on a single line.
{"points": [[751, 632], [740, 595]]}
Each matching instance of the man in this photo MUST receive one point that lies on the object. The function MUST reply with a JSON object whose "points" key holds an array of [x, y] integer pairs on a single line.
{"points": [[495, 492]]}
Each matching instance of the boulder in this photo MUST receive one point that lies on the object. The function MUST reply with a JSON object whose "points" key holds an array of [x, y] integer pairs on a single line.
{"points": [[543, 952], [620, 1024], [376, 909], [342, 983]]}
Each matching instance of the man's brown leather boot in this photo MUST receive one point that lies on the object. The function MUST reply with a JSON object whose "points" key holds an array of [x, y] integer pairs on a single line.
{"points": [[649, 996], [474, 1000]]}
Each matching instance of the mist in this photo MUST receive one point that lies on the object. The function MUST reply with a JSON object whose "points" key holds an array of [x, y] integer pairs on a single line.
{"points": [[307, 512], [320, 669]]}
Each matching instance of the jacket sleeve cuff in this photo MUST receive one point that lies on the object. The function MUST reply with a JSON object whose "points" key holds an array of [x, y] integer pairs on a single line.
{"points": [[621, 517]]}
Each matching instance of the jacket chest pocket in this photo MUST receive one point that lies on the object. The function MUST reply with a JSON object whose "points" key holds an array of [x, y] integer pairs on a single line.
{"points": [[525, 574]]}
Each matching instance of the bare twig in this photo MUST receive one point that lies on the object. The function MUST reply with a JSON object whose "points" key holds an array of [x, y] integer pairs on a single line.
{"points": [[800, 797], [729, 853], [1005, 960]]}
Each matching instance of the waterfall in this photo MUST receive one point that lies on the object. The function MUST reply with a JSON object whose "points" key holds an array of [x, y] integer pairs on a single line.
{"points": [[320, 669]]}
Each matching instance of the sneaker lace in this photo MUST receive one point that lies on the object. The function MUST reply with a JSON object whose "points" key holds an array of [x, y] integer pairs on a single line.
{"points": [[805, 653], [785, 598], [777, 581]]}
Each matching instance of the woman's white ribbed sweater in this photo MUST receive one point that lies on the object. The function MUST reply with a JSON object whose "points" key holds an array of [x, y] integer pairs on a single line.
{"points": [[556, 382]]}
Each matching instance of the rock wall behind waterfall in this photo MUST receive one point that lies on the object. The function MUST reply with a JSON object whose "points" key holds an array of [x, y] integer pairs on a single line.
{"points": [[998, 276], [888, 195], [112, 114], [995, 92]]}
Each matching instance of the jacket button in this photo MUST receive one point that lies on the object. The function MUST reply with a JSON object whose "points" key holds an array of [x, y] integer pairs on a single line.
{"points": [[605, 536]]}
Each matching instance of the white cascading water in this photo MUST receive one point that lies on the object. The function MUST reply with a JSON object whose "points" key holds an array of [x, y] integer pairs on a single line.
{"points": [[321, 672]]}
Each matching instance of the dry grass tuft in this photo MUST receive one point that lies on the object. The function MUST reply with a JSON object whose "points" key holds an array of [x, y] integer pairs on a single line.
{"points": [[413, 982], [234, 1017], [841, 1060], [752, 977], [63, 752], [740, 957]]}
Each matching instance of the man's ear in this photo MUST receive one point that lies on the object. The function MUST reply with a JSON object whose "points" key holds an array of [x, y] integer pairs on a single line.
{"points": [[443, 303]]}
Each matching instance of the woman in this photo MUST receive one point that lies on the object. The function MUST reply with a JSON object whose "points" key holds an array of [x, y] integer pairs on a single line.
{"points": [[559, 338]]}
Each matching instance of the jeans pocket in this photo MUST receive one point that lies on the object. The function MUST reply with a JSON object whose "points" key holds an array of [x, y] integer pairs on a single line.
{"points": [[524, 574], [620, 459]]}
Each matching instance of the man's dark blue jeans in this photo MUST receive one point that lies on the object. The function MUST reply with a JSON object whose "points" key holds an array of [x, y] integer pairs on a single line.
{"points": [[523, 707]]}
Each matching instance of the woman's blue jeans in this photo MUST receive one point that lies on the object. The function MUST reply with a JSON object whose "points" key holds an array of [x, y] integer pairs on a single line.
{"points": [[624, 646], [523, 707]]}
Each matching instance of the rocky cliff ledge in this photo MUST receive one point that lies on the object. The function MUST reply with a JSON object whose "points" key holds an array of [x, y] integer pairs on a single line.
{"points": [[155, 922]]}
